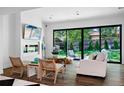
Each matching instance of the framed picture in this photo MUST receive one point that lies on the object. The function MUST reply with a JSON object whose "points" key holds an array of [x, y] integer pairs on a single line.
{"points": [[32, 32]]}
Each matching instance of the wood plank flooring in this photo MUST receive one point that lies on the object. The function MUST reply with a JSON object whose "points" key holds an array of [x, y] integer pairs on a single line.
{"points": [[115, 77]]}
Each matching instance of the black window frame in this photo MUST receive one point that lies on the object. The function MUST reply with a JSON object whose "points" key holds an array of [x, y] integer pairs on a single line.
{"points": [[82, 28]]}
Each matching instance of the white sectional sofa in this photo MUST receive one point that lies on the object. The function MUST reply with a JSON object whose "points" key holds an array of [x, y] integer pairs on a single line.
{"points": [[94, 67]]}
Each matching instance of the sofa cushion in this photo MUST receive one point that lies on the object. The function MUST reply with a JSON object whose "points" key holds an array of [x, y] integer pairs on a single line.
{"points": [[100, 57]]}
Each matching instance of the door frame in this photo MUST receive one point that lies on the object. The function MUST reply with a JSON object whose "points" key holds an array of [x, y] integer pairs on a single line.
{"points": [[82, 40]]}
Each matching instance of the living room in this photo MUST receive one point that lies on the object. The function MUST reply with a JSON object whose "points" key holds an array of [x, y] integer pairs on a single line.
{"points": [[70, 48]]}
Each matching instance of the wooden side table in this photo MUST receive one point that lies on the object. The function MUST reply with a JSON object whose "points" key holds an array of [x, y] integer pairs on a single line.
{"points": [[33, 69]]}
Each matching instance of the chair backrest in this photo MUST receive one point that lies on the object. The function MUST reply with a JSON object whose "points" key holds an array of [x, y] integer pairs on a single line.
{"points": [[16, 61], [48, 65]]}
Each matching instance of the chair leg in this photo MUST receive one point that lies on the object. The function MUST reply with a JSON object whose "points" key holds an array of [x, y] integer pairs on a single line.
{"points": [[22, 72], [12, 71], [55, 77], [63, 71], [42, 75]]}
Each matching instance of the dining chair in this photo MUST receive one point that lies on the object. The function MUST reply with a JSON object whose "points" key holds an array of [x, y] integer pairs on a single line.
{"points": [[17, 66], [48, 66]]}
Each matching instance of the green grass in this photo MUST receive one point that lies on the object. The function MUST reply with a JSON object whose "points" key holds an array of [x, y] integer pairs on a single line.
{"points": [[114, 55]]}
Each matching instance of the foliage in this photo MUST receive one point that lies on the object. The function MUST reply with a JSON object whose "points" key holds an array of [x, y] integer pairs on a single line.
{"points": [[106, 45], [108, 32], [80, 45], [60, 34], [97, 46], [86, 34], [114, 55], [72, 37], [116, 44], [71, 46], [90, 47]]}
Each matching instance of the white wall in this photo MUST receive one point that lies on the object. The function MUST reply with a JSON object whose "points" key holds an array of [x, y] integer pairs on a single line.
{"points": [[111, 20], [11, 38], [1, 44], [31, 17]]}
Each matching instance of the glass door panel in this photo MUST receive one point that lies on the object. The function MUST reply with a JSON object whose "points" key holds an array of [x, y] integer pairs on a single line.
{"points": [[91, 41], [74, 43], [110, 40], [60, 43]]}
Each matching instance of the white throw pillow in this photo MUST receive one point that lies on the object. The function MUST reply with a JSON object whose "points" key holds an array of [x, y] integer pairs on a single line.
{"points": [[100, 57]]}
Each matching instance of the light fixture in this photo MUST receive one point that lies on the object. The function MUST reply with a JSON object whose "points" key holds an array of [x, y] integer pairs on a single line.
{"points": [[51, 17], [77, 13]]}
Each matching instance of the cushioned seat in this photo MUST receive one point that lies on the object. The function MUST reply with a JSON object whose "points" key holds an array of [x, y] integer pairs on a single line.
{"points": [[59, 66]]}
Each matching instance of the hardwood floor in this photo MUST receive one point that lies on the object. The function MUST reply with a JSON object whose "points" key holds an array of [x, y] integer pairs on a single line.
{"points": [[115, 77]]}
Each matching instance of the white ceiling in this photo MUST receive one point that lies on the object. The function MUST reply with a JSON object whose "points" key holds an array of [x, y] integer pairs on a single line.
{"points": [[65, 14], [55, 14], [10, 10]]}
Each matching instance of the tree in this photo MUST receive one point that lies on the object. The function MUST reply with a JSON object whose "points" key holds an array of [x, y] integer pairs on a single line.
{"points": [[86, 34], [106, 45], [80, 45], [97, 47], [116, 44], [73, 36], [90, 45], [71, 46]]}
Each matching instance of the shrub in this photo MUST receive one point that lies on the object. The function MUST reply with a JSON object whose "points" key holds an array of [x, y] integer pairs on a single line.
{"points": [[90, 47], [71, 46], [116, 45], [106, 45], [97, 47]]}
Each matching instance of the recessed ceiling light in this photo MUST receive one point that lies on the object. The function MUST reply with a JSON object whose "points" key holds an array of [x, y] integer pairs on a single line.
{"points": [[51, 17], [77, 13]]}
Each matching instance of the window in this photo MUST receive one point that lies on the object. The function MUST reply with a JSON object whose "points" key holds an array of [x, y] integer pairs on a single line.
{"points": [[81, 42]]}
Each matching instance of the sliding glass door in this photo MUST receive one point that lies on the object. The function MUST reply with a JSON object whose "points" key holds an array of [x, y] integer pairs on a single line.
{"points": [[59, 44], [68, 43], [91, 41], [104, 37], [79, 43], [110, 40], [74, 43]]}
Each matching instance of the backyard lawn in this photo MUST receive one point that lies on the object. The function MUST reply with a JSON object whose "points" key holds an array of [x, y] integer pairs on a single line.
{"points": [[114, 55]]}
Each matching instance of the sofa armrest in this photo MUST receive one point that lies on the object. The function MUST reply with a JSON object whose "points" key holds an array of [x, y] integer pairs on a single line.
{"points": [[82, 62]]}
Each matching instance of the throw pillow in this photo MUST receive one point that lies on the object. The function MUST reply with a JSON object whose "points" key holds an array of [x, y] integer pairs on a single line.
{"points": [[101, 57]]}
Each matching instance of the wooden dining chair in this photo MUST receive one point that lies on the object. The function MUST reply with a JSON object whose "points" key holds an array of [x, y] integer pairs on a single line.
{"points": [[48, 66], [17, 65]]}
